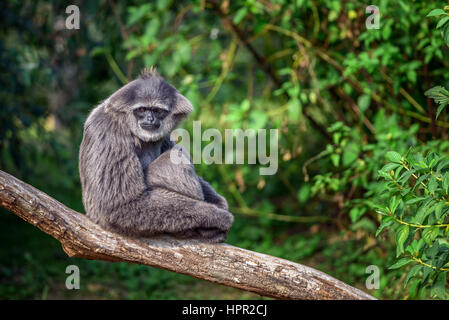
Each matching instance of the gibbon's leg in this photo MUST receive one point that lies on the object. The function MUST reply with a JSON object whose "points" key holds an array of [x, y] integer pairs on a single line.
{"points": [[161, 211], [182, 178]]}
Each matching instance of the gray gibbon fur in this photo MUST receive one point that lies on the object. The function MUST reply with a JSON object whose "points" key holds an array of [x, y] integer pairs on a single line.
{"points": [[129, 183]]}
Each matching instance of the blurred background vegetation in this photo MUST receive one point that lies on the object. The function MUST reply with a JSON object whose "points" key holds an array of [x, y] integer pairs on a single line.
{"points": [[341, 95]]}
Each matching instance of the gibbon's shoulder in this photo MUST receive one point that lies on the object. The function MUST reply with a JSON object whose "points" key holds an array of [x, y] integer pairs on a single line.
{"points": [[99, 120], [98, 114]]}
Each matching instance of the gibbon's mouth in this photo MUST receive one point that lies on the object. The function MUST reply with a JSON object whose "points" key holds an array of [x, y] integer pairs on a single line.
{"points": [[150, 127]]}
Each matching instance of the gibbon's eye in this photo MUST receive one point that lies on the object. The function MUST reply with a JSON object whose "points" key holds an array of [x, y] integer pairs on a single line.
{"points": [[141, 109], [157, 110]]}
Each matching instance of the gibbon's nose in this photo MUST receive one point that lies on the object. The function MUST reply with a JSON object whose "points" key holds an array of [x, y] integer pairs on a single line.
{"points": [[150, 124], [150, 119]]}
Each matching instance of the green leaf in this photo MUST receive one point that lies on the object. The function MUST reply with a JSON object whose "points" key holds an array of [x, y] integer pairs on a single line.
{"points": [[402, 262], [439, 285], [445, 33], [436, 12], [413, 272], [442, 22], [390, 166], [413, 287], [356, 213], [414, 200], [432, 251], [398, 171], [427, 271], [386, 222], [394, 202], [432, 185], [350, 154], [384, 175], [446, 182], [98, 51], [162, 4], [241, 13], [416, 246], [420, 179], [441, 261], [245, 105], [405, 176], [335, 158], [257, 119], [401, 236], [405, 191], [439, 209], [440, 108], [421, 214], [443, 164], [304, 193], [294, 109], [363, 102], [439, 94], [137, 13], [429, 235], [393, 156]]}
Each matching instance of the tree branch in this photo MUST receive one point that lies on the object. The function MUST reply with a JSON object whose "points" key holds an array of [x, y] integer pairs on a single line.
{"points": [[220, 263]]}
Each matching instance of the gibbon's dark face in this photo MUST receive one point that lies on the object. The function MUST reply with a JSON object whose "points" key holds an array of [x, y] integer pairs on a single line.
{"points": [[150, 118], [152, 107]]}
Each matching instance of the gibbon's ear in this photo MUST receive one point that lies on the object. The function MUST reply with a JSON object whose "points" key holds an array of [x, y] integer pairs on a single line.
{"points": [[183, 105], [120, 100], [108, 106], [114, 103]]}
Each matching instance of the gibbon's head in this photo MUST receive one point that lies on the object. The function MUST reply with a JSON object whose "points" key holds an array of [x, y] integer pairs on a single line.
{"points": [[152, 108]]}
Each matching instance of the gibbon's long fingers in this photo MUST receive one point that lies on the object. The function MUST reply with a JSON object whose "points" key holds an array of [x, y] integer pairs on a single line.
{"points": [[212, 234], [215, 217]]}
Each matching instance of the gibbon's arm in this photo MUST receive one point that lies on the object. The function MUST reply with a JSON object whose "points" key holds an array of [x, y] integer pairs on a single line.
{"points": [[210, 195], [109, 168], [115, 194]]}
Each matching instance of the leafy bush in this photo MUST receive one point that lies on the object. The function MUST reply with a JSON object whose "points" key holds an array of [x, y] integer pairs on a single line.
{"points": [[418, 203], [412, 195]]}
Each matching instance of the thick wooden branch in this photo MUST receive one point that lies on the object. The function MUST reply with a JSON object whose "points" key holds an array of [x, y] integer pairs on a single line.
{"points": [[220, 263]]}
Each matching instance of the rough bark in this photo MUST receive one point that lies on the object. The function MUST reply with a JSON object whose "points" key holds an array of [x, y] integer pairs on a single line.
{"points": [[220, 263]]}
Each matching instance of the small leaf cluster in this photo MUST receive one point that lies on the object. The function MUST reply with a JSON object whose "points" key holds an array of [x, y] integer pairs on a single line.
{"points": [[439, 94], [443, 22]]}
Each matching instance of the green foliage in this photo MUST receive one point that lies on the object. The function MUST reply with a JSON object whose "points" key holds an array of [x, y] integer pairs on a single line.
{"points": [[439, 94], [360, 161], [442, 22], [412, 195], [416, 206]]}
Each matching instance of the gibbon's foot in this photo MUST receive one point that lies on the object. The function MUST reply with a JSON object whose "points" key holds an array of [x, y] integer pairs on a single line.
{"points": [[209, 235]]}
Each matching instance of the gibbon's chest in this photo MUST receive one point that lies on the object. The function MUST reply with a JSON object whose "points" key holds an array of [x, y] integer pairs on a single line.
{"points": [[148, 153]]}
